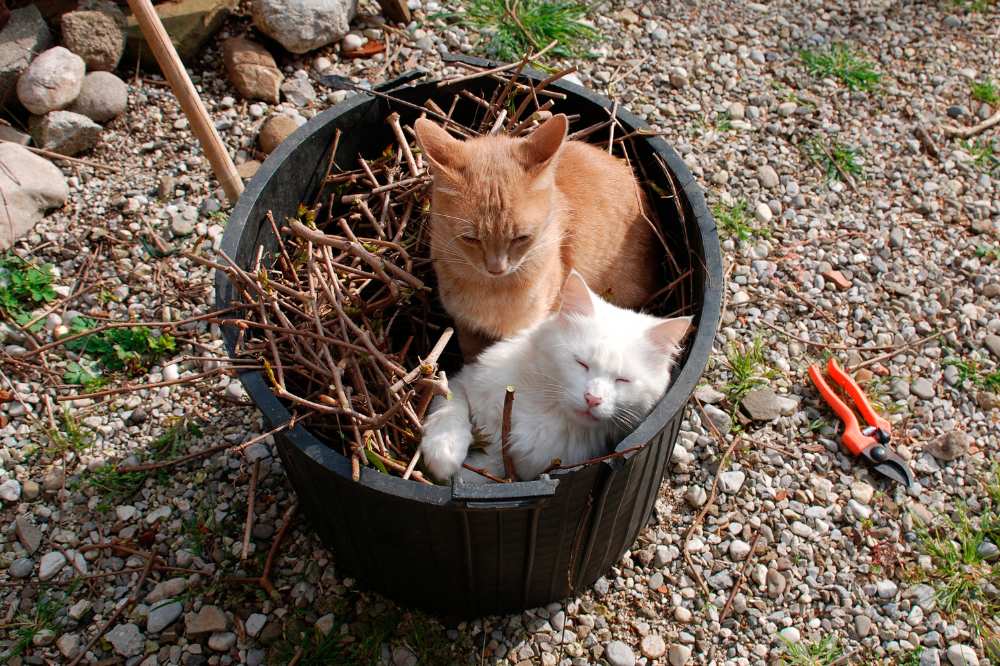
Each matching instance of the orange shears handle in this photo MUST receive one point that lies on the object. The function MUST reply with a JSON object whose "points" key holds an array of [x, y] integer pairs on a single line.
{"points": [[855, 441], [851, 387]]}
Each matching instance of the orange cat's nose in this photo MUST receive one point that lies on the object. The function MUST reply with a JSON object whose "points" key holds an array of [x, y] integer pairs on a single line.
{"points": [[494, 271]]}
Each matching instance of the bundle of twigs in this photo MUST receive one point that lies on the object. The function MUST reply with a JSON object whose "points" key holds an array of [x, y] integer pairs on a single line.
{"points": [[340, 311]]}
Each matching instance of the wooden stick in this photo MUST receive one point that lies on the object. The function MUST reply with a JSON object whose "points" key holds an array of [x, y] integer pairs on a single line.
{"points": [[254, 475], [201, 124], [67, 158], [509, 472], [966, 132], [501, 68]]}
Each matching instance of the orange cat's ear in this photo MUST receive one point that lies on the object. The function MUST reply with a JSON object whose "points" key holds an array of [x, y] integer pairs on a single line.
{"points": [[538, 149], [445, 153], [668, 335], [575, 298]]}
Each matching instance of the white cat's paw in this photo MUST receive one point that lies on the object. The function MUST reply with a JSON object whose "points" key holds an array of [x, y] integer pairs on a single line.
{"points": [[444, 448]]}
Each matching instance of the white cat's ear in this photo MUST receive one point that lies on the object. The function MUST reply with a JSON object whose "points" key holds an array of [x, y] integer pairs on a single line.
{"points": [[538, 149], [667, 336], [575, 298], [445, 153]]}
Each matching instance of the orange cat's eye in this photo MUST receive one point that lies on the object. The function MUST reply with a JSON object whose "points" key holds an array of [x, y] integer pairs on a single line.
{"points": [[583, 365], [469, 239], [522, 239]]}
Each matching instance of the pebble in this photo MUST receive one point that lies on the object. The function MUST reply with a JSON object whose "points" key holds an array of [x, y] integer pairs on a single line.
{"points": [[708, 395], [255, 623], [731, 482], [209, 619], [43, 638], [696, 496], [930, 657], [863, 492], [103, 97], [50, 565], [162, 615], [52, 81], [10, 490], [21, 567], [222, 642], [776, 583], [325, 624], [949, 446], [862, 625], [886, 589], [679, 655], [790, 635], [275, 130], [739, 550], [767, 176], [68, 645], [619, 654], [763, 212], [922, 388], [761, 404], [127, 640], [962, 655]]}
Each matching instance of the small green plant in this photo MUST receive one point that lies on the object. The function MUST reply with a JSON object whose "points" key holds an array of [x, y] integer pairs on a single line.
{"points": [[724, 122], [23, 286], [749, 369], [734, 221], [975, 6], [43, 616], [516, 27], [971, 370], [986, 92], [988, 252], [841, 62], [824, 653], [983, 153], [962, 569], [836, 160], [70, 436], [114, 487], [130, 349], [912, 659]]}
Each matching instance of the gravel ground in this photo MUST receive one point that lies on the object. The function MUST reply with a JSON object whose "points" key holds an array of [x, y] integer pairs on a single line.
{"points": [[800, 554]]}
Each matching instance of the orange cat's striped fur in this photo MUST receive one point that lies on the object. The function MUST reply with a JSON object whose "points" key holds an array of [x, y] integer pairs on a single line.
{"points": [[512, 216]]}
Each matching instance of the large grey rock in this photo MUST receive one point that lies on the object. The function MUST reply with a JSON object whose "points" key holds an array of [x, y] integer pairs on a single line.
{"points": [[189, 23], [52, 81], [37, 186], [962, 655], [27, 533], [949, 446], [251, 69], [103, 96], [64, 132], [51, 564], [127, 640], [761, 404], [162, 615], [303, 25], [96, 36], [208, 620], [25, 36], [619, 654]]}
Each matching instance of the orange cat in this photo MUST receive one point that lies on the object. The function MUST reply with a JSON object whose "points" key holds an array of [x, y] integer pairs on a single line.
{"points": [[511, 216]]}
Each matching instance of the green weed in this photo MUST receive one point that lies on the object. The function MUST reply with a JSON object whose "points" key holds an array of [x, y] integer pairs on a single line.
{"points": [[983, 153], [840, 62], [749, 369], [985, 91], [988, 252], [24, 286], [912, 659], [824, 653], [975, 6], [961, 573], [131, 349], [834, 159], [516, 27], [724, 122], [43, 616], [971, 370], [734, 221], [70, 436]]}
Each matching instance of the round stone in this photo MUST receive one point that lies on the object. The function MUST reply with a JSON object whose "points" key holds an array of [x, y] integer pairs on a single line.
{"points": [[653, 647], [52, 81]]}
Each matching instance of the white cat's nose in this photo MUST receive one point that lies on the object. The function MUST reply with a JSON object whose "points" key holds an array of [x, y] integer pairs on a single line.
{"points": [[592, 400]]}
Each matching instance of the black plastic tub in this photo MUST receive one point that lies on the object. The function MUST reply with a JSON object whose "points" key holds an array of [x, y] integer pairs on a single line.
{"points": [[464, 551]]}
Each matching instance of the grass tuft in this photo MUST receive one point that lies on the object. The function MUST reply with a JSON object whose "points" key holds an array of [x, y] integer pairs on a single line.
{"points": [[516, 27], [840, 62], [984, 154], [70, 436], [734, 221], [971, 370], [824, 653], [963, 574], [131, 350], [834, 159], [985, 91], [749, 369]]}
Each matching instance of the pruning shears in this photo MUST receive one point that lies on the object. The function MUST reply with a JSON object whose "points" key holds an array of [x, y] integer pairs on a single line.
{"points": [[870, 442]]}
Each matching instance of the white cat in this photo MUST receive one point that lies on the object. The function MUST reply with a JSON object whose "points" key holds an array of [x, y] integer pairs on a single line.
{"points": [[583, 378]]}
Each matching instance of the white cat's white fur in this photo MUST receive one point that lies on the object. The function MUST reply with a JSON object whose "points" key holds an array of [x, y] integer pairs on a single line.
{"points": [[583, 377]]}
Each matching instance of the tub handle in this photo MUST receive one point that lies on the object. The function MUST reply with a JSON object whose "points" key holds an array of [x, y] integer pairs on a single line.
{"points": [[522, 495]]}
